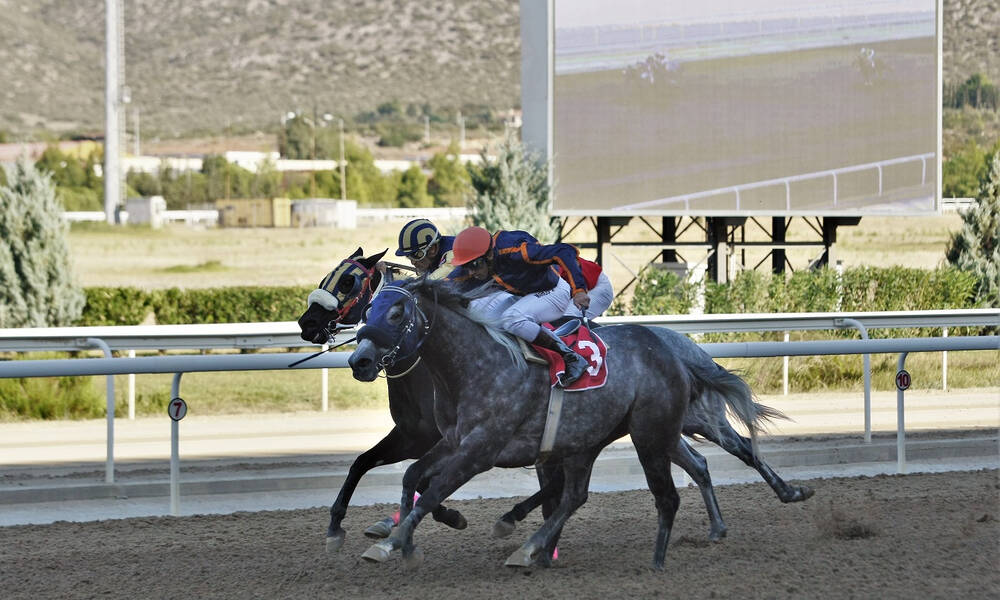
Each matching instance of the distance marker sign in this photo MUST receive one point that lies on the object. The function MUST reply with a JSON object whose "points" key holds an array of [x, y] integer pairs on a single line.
{"points": [[903, 380], [177, 408]]}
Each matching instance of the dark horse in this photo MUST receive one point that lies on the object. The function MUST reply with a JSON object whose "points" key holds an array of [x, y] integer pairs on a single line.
{"points": [[339, 301], [492, 409]]}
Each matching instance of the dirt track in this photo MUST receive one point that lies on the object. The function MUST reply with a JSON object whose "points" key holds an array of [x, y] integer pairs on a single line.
{"points": [[908, 537]]}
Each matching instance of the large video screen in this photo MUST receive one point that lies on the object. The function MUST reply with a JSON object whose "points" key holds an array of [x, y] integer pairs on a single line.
{"points": [[744, 107]]}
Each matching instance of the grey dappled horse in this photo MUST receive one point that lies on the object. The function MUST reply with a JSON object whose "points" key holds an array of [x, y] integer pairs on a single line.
{"points": [[492, 409], [411, 394]]}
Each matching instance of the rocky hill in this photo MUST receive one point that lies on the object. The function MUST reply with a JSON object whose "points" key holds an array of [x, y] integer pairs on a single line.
{"points": [[205, 65], [238, 65]]}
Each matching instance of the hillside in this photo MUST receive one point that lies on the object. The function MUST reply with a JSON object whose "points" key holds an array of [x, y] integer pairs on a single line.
{"points": [[213, 66]]}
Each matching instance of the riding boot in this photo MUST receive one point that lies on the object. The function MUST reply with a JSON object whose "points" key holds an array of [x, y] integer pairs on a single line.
{"points": [[575, 364]]}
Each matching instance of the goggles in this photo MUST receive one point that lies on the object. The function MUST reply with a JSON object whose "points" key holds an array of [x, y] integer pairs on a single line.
{"points": [[478, 263], [420, 253]]}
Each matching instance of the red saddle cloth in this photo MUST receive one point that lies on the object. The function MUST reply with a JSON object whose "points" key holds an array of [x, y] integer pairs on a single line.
{"points": [[587, 344]]}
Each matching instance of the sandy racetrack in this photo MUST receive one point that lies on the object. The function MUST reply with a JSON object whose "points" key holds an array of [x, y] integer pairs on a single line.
{"points": [[915, 536]]}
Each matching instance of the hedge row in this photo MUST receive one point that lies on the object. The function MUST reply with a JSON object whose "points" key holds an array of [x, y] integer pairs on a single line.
{"points": [[862, 289], [658, 292], [132, 306]]}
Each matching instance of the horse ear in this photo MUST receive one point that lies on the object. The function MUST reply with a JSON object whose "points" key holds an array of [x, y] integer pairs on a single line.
{"points": [[357, 253], [371, 261]]}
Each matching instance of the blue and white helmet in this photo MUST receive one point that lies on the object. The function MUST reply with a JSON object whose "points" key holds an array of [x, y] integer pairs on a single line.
{"points": [[416, 235]]}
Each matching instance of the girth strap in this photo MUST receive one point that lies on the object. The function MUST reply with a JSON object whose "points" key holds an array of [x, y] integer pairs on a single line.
{"points": [[551, 422]]}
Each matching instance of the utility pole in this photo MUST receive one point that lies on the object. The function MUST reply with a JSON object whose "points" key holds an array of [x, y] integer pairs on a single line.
{"points": [[343, 163], [135, 117], [112, 100]]}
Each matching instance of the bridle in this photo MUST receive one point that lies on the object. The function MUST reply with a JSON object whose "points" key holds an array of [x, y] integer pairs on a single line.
{"points": [[416, 319]]}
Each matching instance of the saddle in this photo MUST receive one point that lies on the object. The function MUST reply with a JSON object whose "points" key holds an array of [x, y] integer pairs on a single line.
{"points": [[563, 327]]}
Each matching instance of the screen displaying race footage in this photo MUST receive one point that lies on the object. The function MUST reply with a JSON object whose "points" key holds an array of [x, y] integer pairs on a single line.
{"points": [[742, 107]]}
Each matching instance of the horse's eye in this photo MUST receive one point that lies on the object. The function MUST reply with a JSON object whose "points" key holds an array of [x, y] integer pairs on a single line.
{"points": [[395, 315], [345, 285]]}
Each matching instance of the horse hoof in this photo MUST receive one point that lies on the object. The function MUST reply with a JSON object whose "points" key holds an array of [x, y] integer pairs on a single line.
{"points": [[716, 536], [522, 557], [335, 542], [502, 529], [414, 559], [801, 494], [451, 518], [380, 530], [377, 553]]}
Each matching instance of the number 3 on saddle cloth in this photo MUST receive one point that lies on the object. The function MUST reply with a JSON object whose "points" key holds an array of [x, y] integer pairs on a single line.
{"points": [[587, 344]]}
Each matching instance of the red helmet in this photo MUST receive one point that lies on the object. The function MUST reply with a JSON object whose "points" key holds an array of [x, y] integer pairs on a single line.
{"points": [[470, 244]]}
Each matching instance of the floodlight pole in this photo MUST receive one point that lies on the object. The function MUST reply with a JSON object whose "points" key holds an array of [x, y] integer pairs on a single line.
{"points": [[343, 164], [112, 168]]}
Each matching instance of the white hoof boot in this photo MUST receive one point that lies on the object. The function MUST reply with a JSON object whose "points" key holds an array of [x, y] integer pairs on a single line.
{"points": [[522, 557], [378, 552], [335, 542], [502, 529], [380, 530]]}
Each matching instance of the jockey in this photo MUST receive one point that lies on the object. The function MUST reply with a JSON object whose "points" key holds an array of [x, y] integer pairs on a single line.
{"points": [[599, 290], [532, 291], [428, 251]]}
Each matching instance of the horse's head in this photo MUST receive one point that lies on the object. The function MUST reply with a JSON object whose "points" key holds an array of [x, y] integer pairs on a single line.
{"points": [[394, 329], [341, 297]]}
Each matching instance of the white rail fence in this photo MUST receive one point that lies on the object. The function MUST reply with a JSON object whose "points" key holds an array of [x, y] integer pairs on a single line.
{"points": [[283, 361], [286, 334]]}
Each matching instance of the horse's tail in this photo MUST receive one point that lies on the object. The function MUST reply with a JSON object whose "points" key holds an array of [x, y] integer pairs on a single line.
{"points": [[717, 390]]}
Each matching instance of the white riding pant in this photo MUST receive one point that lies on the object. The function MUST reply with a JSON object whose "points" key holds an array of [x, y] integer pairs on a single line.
{"points": [[601, 297], [521, 315]]}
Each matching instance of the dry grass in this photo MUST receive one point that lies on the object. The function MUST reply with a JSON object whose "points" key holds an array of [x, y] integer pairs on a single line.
{"points": [[185, 257]]}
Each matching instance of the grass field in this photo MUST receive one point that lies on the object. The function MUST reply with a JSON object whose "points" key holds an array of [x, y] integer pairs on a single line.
{"points": [[180, 256], [189, 258]]}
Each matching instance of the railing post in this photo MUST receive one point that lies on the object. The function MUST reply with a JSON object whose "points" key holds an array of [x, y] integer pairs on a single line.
{"points": [[131, 390], [866, 360], [784, 371], [900, 424], [944, 364], [325, 385], [109, 392], [175, 460]]}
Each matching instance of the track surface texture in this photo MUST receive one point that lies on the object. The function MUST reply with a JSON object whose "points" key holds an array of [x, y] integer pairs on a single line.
{"points": [[909, 536]]}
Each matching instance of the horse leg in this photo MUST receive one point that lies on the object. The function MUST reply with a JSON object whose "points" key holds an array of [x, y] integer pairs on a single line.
{"points": [[549, 490], [732, 442], [447, 469], [415, 474], [538, 549], [393, 448], [656, 465], [695, 465]]}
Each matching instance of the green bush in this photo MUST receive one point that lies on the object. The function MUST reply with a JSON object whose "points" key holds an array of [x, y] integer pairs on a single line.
{"points": [[861, 289], [663, 293], [51, 398], [115, 306]]}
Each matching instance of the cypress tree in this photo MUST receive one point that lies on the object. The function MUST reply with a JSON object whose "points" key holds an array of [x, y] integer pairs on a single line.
{"points": [[512, 192], [976, 246], [36, 284]]}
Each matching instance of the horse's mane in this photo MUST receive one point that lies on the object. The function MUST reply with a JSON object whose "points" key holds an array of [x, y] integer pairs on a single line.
{"points": [[447, 293]]}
